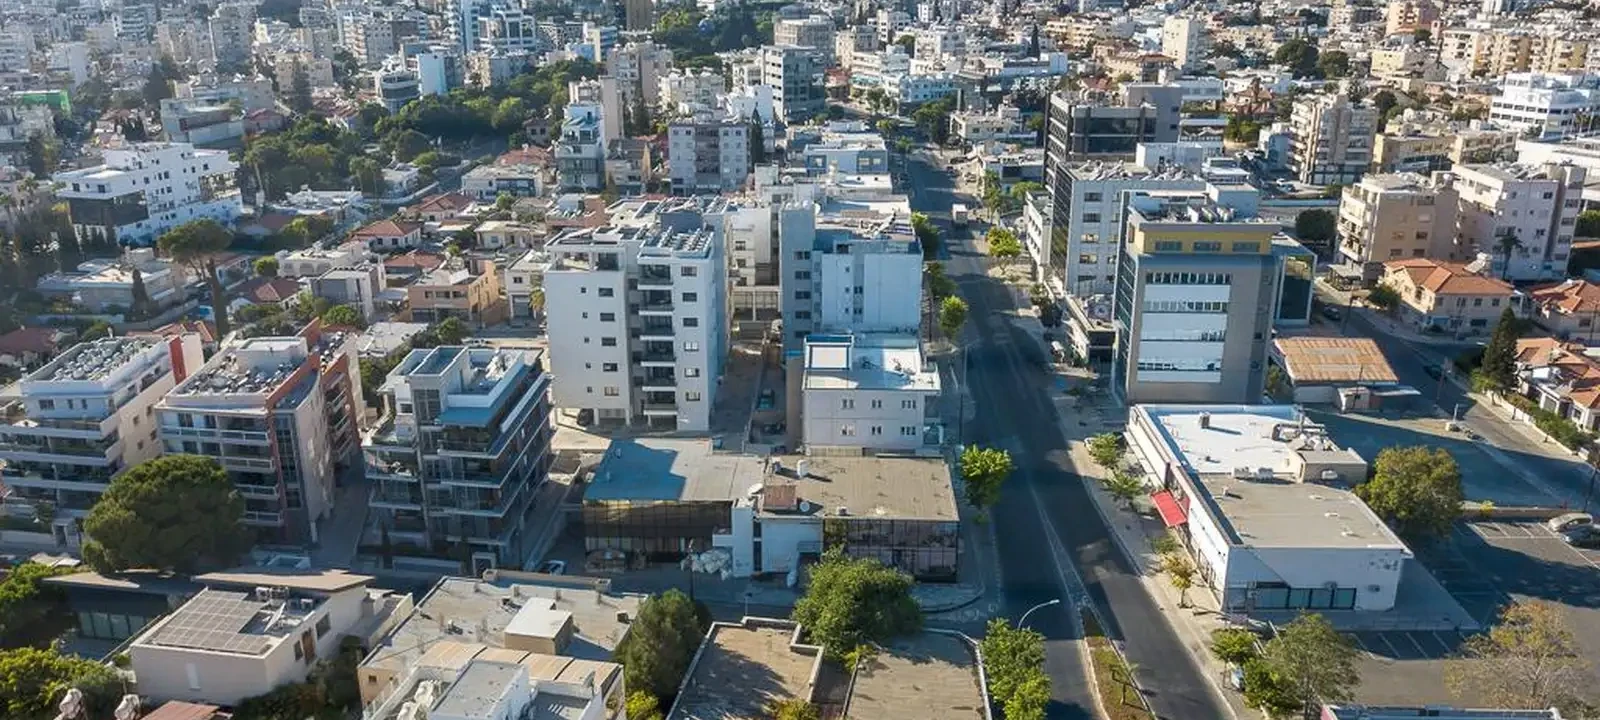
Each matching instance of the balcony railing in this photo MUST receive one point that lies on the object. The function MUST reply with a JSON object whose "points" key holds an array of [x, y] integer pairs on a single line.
{"points": [[259, 492], [257, 517], [670, 407], [215, 433], [243, 463]]}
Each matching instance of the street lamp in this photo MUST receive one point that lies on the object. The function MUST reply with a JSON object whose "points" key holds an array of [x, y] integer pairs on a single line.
{"points": [[1025, 615]]}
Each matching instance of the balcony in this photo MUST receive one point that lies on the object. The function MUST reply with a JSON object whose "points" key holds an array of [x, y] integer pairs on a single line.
{"points": [[96, 483], [660, 408], [247, 464], [474, 480], [267, 519], [395, 498], [257, 437], [258, 492], [394, 472], [661, 279], [666, 382], [62, 427]]}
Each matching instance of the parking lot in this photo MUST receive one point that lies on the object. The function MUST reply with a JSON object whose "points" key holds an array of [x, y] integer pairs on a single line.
{"points": [[1484, 565]]}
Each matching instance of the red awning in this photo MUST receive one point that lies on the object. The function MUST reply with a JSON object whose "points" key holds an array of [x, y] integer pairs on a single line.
{"points": [[1171, 512]]}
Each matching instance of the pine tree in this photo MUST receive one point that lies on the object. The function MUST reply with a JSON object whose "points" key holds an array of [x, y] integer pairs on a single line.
{"points": [[141, 298], [300, 96], [1499, 369], [1033, 43], [640, 113], [758, 139]]}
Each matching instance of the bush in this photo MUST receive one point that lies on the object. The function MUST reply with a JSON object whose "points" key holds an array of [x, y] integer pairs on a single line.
{"points": [[1268, 691], [1234, 646], [1559, 428]]}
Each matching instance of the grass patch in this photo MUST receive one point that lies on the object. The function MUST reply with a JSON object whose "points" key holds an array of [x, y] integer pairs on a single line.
{"points": [[1119, 699]]}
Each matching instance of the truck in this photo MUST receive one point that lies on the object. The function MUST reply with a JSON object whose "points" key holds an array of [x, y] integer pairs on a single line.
{"points": [[958, 215]]}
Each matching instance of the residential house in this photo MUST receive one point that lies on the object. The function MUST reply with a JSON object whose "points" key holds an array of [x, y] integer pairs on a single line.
{"points": [[28, 347], [390, 235], [1446, 297], [1562, 377], [1568, 309], [456, 290]]}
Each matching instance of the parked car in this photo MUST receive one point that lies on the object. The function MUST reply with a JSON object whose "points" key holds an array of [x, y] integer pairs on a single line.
{"points": [[1331, 312], [1434, 371], [553, 567], [1567, 521], [1584, 536]]}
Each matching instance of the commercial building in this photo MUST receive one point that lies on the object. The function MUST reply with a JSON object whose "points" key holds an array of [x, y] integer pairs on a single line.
{"points": [[281, 415], [142, 191], [1393, 217], [1259, 497], [1320, 368], [795, 74], [708, 157], [251, 631], [675, 496], [396, 85], [86, 416], [1330, 139], [463, 446], [1200, 285], [1089, 201], [1447, 297], [1080, 129], [1536, 204], [868, 392], [1552, 106], [638, 314]]}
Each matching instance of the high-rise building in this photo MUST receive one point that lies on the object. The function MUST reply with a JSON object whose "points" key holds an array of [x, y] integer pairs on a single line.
{"points": [[1538, 205], [1403, 17], [282, 416], [708, 157], [85, 417], [840, 272], [638, 314], [1395, 217], [461, 451], [1089, 202], [1183, 40], [1330, 139], [232, 32], [147, 189], [815, 31], [135, 21], [1200, 284], [638, 14], [795, 74]]}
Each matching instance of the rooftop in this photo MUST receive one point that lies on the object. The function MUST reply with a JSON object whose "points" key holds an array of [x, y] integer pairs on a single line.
{"points": [[232, 622], [743, 668], [867, 362], [1232, 455], [929, 675], [1434, 712], [94, 360], [1448, 278], [1334, 360], [258, 366], [478, 689]]}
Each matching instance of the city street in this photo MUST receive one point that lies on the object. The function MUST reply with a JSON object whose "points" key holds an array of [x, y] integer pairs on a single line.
{"points": [[1049, 533]]}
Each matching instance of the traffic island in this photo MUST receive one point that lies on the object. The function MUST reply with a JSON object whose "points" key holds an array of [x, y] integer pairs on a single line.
{"points": [[1114, 687]]}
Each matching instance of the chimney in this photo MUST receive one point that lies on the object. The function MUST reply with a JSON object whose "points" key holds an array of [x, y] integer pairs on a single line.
{"points": [[1205, 421]]}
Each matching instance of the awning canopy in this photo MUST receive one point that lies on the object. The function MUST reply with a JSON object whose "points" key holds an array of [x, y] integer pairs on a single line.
{"points": [[1171, 512]]}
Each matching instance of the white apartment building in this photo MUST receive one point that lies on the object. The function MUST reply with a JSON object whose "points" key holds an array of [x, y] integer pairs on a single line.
{"points": [[1537, 204], [86, 416], [814, 31], [847, 148], [638, 314], [708, 157], [396, 85], [146, 189], [867, 391], [278, 413], [581, 150], [848, 272], [1096, 194], [916, 89], [232, 31], [462, 450], [1330, 140], [316, 260], [683, 91], [1183, 40], [523, 281], [1553, 106]]}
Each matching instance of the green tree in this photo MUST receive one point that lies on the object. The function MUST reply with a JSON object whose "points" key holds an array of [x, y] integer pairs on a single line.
{"points": [[1235, 646], [1316, 228], [504, 201], [850, 603], [1010, 657], [1299, 55], [344, 316], [1003, 244], [1030, 699], [196, 244], [927, 235], [33, 681], [1384, 297], [176, 512], [660, 644], [266, 266], [451, 331], [1108, 450], [1416, 490], [408, 144], [1334, 64], [300, 99], [940, 286], [29, 610], [643, 706], [368, 175], [1315, 662], [96, 330], [1383, 101], [1124, 486], [1528, 659], [984, 471], [1499, 368], [1278, 383], [952, 316], [1269, 691], [1588, 224], [142, 306], [791, 709], [1181, 572], [994, 197]]}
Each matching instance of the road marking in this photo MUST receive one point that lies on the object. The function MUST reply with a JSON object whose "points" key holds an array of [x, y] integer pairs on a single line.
{"points": [[1417, 645], [1392, 651]]}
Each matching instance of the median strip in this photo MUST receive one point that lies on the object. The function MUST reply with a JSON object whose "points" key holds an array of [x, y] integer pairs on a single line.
{"points": [[1119, 696]]}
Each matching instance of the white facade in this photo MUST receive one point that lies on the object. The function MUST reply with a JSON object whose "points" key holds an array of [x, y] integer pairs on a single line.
{"points": [[847, 274], [681, 91], [1552, 105], [148, 189], [710, 157], [815, 31], [1097, 200], [1183, 40], [662, 277], [866, 391], [581, 151], [1539, 205]]}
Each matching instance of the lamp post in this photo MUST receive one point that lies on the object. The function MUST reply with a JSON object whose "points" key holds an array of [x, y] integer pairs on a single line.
{"points": [[1025, 615]]}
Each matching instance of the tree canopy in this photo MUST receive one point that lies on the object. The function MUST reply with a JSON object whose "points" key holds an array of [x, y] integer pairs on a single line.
{"points": [[660, 644], [1416, 490], [195, 244], [176, 512], [33, 681], [1499, 368], [984, 470], [27, 606], [1299, 55], [1528, 659], [852, 602], [1316, 227], [1316, 663], [952, 316], [1003, 244]]}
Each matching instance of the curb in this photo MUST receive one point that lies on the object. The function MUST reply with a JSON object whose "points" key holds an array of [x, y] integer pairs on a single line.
{"points": [[951, 608]]}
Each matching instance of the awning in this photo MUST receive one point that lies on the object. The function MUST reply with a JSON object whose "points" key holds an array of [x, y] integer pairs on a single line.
{"points": [[1171, 512]]}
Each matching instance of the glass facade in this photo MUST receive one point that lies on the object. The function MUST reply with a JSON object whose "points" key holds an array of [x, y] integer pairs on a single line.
{"points": [[660, 529], [927, 550]]}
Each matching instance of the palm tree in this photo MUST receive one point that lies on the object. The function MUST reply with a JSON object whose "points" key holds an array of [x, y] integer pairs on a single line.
{"points": [[1508, 243]]}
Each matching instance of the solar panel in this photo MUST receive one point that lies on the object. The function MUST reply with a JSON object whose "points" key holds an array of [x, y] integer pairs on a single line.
{"points": [[213, 620]]}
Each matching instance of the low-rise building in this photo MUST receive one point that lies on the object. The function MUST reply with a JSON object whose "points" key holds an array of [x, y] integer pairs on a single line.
{"points": [[390, 235], [472, 681], [1446, 297], [708, 157], [1259, 497], [470, 294], [1561, 377], [1318, 368], [1569, 309], [105, 285], [146, 189], [868, 392], [524, 283], [314, 261], [357, 286]]}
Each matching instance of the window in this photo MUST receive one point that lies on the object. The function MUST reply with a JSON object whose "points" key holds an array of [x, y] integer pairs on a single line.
{"points": [[608, 342], [608, 367], [802, 274], [49, 405], [688, 271], [847, 404], [611, 391], [1088, 259], [877, 430], [691, 396], [691, 297], [908, 404], [847, 430], [691, 346], [1169, 246], [1091, 217], [691, 372], [606, 292], [1091, 197], [1207, 246], [608, 317], [802, 294], [1247, 247], [877, 404], [323, 626], [689, 322]]}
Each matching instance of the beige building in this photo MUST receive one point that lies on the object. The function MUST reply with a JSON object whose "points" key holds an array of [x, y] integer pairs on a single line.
{"points": [[1445, 297], [1406, 60], [1330, 140], [1403, 17], [1395, 217], [1494, 52], [471, 294]]}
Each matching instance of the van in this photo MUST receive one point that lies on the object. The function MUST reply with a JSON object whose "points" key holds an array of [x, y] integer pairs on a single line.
{"points": [[1562, 523]]}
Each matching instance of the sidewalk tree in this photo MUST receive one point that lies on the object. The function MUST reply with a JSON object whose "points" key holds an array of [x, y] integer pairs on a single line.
{"points": [[1010, 657], [850, 603], [1499, 368], [1317, 664], [791, 709], [1316, 227], [176, 512], [1181, 571], [994, 197], [927, 235], [1268, 691], [940, 286], [1030, 699], [984, 470], [643, 706], [1384, 297], [1416, 490], [195, 244], [1235, 646], [952, 316], [1003, 244], [1529, 659], [661, 644], [1108, 450], [1124, 486]]}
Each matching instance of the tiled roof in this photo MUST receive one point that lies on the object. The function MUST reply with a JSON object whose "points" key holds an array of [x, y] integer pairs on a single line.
{"points": [[1568, 296], [387, 228], [1448, 278], [264, 290]]}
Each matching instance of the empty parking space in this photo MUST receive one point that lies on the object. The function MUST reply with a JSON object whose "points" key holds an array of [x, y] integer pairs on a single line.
{"points": [[1408, 644]]}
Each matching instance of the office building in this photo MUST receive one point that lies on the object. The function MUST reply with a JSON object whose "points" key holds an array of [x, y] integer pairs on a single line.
{"points": [[281, 415], [1183, 40], [813, 31], [1548, 105], [1330, 139], [1200, 284], [795, 74], [1259, 496], [146, 189], [1088, 208], [1080, 129], [86, 416], [708, 157], [461, 451], [844, 268], [1536, 204], [1393, 217], [638, 314], [869, 392]]}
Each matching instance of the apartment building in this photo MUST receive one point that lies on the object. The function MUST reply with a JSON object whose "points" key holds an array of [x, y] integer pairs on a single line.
{"points": [[232, 27], [1200, 284], [1183, 40], [1538, 205], [1089, 207], [813, 31], [846, 270], [708, 157], [461, 451], [1404, 17], [638, 314], [849, 148], [1396, 216], [1548, 106], [86, 416], [1446, 297], [795, 74], [638, 67], [581, 151], [146, 189], [281, 415], [469, 292], [871, 392], [355, 285], [395, 84], [1330, 139], [682, 91], [1425, 147]]}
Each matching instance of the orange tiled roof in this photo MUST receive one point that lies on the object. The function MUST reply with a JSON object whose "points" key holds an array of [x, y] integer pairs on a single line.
{"points": [[1448, 278], [1580, 374], [387, 228], [1568, 296]]}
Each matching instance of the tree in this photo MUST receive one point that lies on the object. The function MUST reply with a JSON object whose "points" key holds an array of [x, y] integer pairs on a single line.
{"points": [[195, 244], [850, 603], [1011, 656], [175, 512], [791, 709], [1235, 646], [952, 315], [33, 681], [1003, 244], [368, 175], [1334, 64], [1030, 699], [758, 141], [984, 470], [1124, 486], [1181, 571], [96, 330], [345, 316], [1383, 101], [994, 198], [1278, 386], [1316, 228], [1384, 297], [1423, 36], [1499, 368], [927, 235], [940, 286], [1267, 690], [1299, 55], [660, 644], [1529, 659], [142, 306], [451, 331], [408, 144], [1314, 660], [266, 266], [300, 99], [1416, 490], [42, 155], [1108, 450], [1588, 224], [643, 706], [30, 611]]}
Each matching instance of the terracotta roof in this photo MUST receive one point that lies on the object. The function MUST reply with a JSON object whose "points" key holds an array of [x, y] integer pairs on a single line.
{"points": [[1577, 376], [1335, 359], [29, 339], [446, 202], [264, 290], [1448, 278], [387, 228], [206, 331], [415, 259], [1568, 296], [179, 710], [525, 156]]}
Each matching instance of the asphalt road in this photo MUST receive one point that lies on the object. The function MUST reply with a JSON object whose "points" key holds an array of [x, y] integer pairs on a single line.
{"points": [[1049, 532]]}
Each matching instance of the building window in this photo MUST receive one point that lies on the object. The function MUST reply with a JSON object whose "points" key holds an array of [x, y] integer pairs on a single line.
{"points": [[688, 271], [692, 396], [608, 367], [691, 346], [1169, 246], [608, 342], [1207, 246], [802, 294], [847, 431], [802, 274], [877, 430], [691, 297], [847, 404], [908, 404], [51, 405], [608, 317], [690, 322], [323, 626], [877, 404], [611, 391], [1247, 247], [1088, 259], [693, 372], [606, 292], [907, 431]]}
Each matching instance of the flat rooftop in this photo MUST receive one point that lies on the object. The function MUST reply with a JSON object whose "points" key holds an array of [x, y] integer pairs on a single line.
{"points": [[746, 667], [866, 362], [475, 693], [1335, 360], [230, 622], [1272, 512], [94, 360], [928, 675]]}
